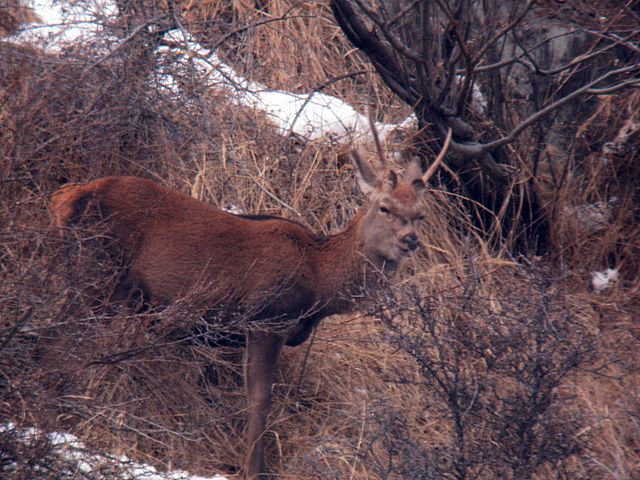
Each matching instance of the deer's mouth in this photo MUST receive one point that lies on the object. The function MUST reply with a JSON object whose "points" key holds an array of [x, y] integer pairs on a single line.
{"points": [[406, 250]]}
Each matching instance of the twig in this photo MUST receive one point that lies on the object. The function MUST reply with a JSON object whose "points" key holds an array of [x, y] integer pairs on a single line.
{"points": [[584, 90], [118, 47], [272, 196]]}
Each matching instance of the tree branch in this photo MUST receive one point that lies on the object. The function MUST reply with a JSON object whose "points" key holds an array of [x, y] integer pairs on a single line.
{"points": [[382, 58], [587, 89]]}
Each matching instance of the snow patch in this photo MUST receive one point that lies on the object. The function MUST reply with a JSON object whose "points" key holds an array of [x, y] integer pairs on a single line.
{"points": [[70, 449], [312, 116], [63, 24], [604, 279]]}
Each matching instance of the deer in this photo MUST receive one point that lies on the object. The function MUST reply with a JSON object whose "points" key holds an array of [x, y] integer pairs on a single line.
{"points": [[173, 242]]}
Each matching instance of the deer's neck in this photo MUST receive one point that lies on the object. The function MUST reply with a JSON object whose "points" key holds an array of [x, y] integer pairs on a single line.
{"points": [[348, 272]]}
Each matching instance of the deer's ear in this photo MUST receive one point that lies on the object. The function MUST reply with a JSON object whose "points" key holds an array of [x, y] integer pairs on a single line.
{"points": [[418, 184], [414, 170]]}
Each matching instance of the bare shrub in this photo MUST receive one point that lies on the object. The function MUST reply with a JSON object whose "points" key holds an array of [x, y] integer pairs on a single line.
{"points": [[489, 366], [596, 212]]}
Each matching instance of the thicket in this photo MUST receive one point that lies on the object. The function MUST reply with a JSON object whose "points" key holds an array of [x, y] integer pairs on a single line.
{"points": [[477, 364]]}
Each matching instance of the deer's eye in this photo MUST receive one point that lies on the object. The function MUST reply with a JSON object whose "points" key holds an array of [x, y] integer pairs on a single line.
{"points": [[385, 210]]}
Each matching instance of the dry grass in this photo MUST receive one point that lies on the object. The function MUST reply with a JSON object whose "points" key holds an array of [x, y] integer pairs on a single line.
{"points": [[123, 381]]}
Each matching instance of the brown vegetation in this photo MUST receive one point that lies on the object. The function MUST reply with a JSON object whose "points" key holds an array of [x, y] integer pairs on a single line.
{"points": [[478, 364]]}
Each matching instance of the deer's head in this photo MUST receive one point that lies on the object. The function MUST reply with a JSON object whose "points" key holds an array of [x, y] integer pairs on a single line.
{"points": [[391, 222]]}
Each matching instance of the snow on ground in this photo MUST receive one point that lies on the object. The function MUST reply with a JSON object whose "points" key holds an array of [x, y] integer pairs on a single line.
{"points": [[63, 25], [311, 116], [315, 115], [478, 100], [604, 279], [72, 451]]}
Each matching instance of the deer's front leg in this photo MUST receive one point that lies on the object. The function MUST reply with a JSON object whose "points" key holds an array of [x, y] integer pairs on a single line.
{"points": [[260, 360]]}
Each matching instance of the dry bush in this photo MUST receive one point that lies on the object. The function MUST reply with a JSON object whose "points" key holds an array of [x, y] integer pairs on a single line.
{"points": [[547, 367], [491, 358], [295, 46], [596, 196]]}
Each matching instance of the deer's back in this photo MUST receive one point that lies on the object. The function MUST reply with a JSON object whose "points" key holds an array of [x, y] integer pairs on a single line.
{"points": [[175, 244]]}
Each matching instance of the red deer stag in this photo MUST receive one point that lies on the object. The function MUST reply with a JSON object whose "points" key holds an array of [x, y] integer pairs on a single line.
{"points": [[173, 242]]}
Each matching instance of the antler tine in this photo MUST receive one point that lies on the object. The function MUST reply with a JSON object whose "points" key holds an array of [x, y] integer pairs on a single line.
{"points": [[356, 157], [434, 166], [376, 138]]}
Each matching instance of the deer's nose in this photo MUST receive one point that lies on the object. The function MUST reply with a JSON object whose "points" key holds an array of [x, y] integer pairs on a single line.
{"points": [[411, 241]]}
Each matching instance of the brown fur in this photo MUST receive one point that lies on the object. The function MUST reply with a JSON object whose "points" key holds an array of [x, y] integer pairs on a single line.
{"points": [[174, 243]]}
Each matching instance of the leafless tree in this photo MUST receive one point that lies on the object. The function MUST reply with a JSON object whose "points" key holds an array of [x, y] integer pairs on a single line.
{"points": [[492, 70]]}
